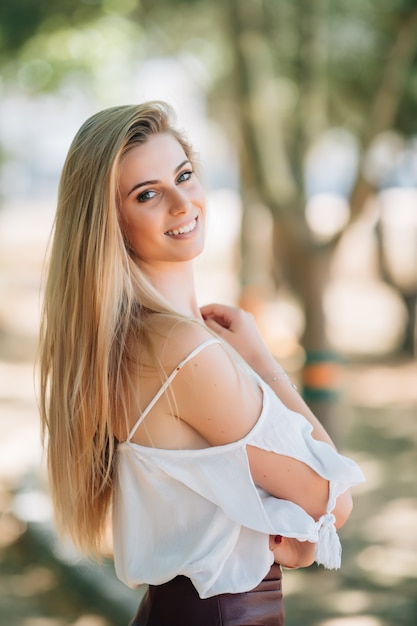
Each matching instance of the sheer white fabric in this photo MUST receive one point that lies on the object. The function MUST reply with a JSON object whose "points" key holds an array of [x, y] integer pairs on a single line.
{"points": [[199, 514]]}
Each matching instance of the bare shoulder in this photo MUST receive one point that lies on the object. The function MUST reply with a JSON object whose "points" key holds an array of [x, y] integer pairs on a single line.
{"points": [[173, 339], [216, 396], [212, 399]]}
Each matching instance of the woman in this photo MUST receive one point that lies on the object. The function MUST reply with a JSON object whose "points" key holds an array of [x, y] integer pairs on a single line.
{"points": [[217, 471]]}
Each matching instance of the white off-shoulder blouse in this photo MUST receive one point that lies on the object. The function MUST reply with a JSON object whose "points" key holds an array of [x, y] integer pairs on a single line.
{"points": [[199, 514]]}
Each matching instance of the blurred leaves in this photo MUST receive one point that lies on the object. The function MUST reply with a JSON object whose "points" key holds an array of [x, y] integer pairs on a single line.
{"points": [[277, 75], [20, 20], [332, 55], [44, 44]]}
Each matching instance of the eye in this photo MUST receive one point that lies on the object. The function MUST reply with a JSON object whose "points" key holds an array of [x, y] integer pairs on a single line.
{"points": [[146, 195], [186, 175]]}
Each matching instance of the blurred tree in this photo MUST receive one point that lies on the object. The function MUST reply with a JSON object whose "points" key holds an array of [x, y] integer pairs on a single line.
{"points": [[280, 74], [296, 76], [298, 69]]}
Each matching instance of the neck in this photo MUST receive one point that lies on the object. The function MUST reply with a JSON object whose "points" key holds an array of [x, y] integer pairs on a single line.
{"points": [[175, 282]]}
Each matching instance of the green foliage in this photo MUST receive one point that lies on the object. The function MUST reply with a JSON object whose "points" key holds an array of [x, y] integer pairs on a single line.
{"points": [[22, 19], [281, 42], [82, 46], [280, 38]]}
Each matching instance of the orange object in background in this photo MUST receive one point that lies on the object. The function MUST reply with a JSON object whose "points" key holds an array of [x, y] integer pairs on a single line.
{"points": [[322, 376]]}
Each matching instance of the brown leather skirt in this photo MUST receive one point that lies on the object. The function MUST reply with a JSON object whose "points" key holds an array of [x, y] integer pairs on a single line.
{"points": [[177, 603]]}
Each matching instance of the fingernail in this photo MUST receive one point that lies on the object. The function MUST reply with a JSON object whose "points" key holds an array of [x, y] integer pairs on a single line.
{"points": [[277, 538]]}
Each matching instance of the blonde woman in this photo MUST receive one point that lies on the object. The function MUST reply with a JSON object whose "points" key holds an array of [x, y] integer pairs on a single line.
{"points": [[178, 418]]}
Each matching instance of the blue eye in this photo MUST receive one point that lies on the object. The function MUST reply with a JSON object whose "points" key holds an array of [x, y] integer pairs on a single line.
{"points": [[146, 195], [184, 176]]}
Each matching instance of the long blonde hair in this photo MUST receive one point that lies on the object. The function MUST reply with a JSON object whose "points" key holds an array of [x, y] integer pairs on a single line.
{"points": [[96, 299]]}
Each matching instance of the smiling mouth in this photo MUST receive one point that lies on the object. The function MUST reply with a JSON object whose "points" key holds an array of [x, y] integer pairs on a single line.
{"points": [[188, 228]]}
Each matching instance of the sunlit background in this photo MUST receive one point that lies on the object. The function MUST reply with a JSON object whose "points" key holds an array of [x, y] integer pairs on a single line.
{"points": [[304, 119]]}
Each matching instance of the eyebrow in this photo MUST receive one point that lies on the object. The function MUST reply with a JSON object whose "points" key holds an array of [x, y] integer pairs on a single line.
{"points": [[153, 182]]}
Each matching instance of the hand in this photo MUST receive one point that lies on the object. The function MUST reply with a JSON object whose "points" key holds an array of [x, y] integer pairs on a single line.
{"points": [[292, 553], [239, 329]]}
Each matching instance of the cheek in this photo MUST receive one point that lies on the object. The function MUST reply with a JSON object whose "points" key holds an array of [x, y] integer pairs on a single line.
{"points": [[143, 234], [199, 191], [138, 235]]}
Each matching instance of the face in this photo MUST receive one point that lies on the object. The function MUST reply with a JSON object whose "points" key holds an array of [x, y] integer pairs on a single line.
{"points": [[161, 205]]}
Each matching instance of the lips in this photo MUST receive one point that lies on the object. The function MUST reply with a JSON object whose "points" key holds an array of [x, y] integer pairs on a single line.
{"points": [[183, 230]]}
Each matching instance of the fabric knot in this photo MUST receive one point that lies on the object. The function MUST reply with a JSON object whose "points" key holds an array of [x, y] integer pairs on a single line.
{"points": [[328, 548], [326, 520]]}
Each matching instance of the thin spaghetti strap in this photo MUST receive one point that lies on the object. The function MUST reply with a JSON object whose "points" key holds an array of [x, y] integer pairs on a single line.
{"points": [[169, 381]]}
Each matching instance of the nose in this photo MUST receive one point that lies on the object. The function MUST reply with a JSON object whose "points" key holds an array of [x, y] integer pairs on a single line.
{"points": [[178, 201]]}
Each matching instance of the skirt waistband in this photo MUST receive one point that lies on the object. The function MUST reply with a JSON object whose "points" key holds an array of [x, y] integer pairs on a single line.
{"points": [[177, 603]]}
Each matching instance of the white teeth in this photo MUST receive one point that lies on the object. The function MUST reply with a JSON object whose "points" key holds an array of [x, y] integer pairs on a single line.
{"points": [[184, 229]]}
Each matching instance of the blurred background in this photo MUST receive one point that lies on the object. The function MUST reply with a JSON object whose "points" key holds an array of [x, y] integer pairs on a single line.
{"points": [[303, 114]]}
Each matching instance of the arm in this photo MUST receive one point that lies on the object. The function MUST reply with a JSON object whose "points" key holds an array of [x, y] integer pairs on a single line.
{"points": [[238, 328], [222, 403]]}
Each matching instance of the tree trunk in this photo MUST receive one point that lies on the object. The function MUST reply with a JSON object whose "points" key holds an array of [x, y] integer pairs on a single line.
{"points": [[323, 365], [295, 261]]}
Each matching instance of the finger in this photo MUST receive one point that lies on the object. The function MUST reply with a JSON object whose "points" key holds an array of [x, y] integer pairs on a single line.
{"points": [[217, 311], [220, 321], [208, 309], [214, 325]]}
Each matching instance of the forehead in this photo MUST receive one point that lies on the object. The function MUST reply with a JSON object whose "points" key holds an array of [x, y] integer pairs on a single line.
{"points": [[159, 155]]}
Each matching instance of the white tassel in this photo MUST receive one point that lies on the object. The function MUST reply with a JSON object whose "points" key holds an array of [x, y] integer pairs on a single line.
{"points": [[328, 548]]}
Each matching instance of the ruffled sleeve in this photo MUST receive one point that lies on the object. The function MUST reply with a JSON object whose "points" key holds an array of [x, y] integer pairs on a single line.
{"points": [[289, 433]]}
